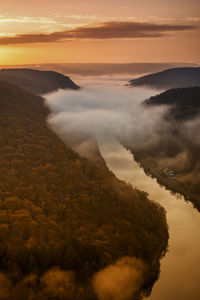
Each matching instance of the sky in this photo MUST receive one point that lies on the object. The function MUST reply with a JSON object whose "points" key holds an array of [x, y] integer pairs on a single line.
{"points": [[115, 31]]}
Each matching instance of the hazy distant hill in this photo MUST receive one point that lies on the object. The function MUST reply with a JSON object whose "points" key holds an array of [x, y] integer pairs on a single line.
{"points": [[62, 217], [172, 154], [37, 82], [171, 78], [95, 69]]}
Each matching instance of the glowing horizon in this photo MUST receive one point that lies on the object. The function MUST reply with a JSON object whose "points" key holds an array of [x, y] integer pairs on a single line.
{"points": [[115, 32]]}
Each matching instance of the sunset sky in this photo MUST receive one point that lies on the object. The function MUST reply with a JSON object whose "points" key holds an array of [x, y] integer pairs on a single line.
{"points": [[53, 31]]}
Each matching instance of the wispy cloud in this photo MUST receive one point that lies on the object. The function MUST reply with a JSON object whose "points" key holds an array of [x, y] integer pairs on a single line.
{"points": [[24, 19], [82, 17], [192, 19], [104, 30]]}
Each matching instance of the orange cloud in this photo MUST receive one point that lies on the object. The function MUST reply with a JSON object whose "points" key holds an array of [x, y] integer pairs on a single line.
{"points": [[105, 30]]}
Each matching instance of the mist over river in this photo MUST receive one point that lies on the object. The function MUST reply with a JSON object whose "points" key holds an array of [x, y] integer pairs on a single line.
{"points": [[106, 109]]}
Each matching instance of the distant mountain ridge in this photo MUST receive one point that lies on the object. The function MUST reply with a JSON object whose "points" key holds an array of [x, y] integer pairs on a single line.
{"points": [[37, 82], [95, 69], [170, 78]]}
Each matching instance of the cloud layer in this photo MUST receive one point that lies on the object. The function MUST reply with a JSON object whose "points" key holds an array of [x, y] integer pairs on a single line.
{"points": [[104, 30], [103, 113]]}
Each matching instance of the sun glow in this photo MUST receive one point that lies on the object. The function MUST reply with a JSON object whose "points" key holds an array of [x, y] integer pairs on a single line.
{"points": [[13, 55], [4, 55], [64, 31]]}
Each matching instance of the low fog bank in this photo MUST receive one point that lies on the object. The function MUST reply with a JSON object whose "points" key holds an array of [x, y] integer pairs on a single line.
{"points": [[109, 110], [121, 281], [54, 284], [102, 113]]}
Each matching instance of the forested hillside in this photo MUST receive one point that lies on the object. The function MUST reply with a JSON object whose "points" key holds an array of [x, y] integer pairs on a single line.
{"points": [[172, 153], [37, 82], [184, 103], [62, 217]]}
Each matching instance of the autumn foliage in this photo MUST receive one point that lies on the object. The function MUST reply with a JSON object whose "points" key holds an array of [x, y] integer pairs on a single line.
{"points": [[61, 213]]}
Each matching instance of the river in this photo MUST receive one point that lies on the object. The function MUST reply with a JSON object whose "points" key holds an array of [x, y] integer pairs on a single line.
{"points": [[103, 111], [180, 272]]}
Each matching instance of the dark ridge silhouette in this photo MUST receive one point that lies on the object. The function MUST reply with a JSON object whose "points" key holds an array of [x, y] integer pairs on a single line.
{"points": [[171, 78], [37, 82], [172, 155], [63, 218], [184, 102]]}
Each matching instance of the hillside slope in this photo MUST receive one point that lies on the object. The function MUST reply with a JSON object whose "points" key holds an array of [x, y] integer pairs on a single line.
{"points": [[184, 103], [171, 78], [172, 154], [62, 217], [37, 82]]}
